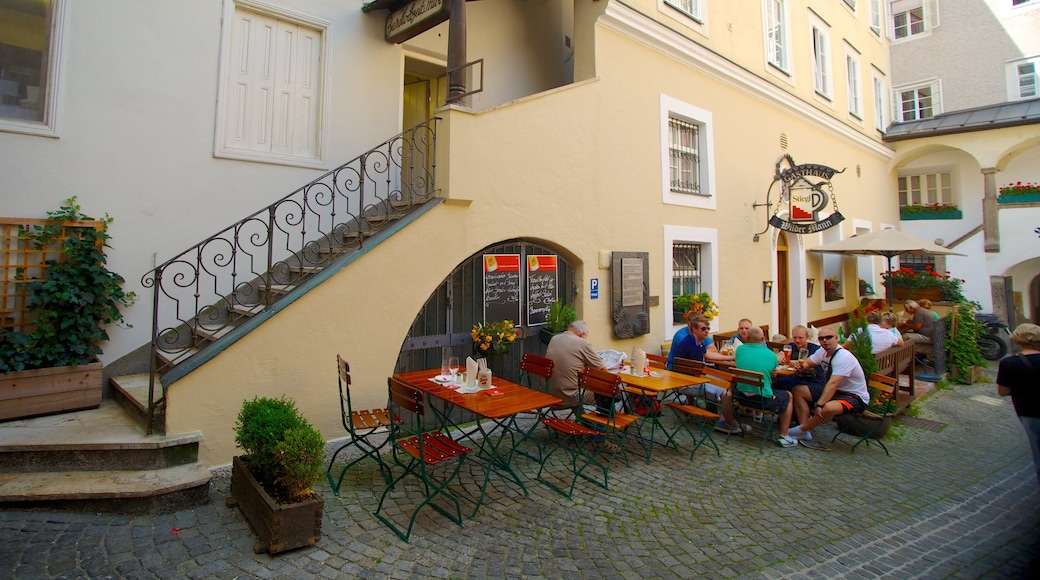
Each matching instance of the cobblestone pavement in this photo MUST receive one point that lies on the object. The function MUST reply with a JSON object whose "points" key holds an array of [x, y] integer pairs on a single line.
{"points": [[962, 503]]}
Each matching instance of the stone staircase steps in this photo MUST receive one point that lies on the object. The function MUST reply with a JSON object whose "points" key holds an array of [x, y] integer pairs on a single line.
{"points": [[98, 460], [131, 392]]}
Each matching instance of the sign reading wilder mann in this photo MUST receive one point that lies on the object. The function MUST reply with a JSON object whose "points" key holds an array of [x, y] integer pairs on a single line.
{"points": [[415, 18]]}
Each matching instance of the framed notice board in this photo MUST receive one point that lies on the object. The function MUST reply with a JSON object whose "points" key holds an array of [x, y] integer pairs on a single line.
{"points": [[630, 293], [542, 290], [502, 287]]}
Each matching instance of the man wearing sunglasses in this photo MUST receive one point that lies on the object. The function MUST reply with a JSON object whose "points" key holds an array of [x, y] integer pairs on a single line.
{"points": [[844, 392], [699, 347]]}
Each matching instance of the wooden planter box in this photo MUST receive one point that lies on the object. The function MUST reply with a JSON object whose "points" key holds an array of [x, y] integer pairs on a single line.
{"points": [[967, 376], [280, 527], [933, 294], [50, 391]]}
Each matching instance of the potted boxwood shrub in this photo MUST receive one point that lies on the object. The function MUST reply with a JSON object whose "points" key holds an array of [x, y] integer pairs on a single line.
{"points": [[52, 367], [272, 482], [561, 315]]}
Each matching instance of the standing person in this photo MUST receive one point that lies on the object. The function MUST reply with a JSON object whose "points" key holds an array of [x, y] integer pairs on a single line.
{"points": [[844, 392], [571, 353], [920, 327], [1019, 377], [741, 337], [755, 356], [811, 377]]}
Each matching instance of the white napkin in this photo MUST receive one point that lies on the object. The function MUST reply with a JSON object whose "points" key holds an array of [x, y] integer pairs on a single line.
{"points": [[471, 371]]}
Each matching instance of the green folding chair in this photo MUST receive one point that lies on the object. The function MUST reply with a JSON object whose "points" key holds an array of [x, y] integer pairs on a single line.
{"points": [[753, 383], [361, 425], [697, 412], [535, 372], [883, 390]]}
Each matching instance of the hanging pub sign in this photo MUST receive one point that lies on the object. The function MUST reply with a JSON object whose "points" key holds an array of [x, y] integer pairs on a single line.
{"points": [[807, 192], [414, 18], [502, 287], [541, 288]]}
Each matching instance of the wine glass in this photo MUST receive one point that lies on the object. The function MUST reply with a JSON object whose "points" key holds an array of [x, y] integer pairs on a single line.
{"points": [[453, 367]]}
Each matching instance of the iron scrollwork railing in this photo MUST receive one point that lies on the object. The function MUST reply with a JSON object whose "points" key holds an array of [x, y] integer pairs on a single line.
{"points": [[241, 271]]}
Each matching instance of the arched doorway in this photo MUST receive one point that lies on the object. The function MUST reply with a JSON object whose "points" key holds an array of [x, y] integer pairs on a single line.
{"points": [[458, 303]]}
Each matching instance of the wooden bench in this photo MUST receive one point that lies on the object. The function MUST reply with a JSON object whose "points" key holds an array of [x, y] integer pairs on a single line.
{"points": [[894, 361]]}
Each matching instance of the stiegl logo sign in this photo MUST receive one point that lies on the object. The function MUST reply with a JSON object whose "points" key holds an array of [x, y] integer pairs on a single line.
{"points": [[807, 191]]}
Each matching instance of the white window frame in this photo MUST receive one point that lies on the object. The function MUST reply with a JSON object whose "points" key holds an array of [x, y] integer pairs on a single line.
{"points": [[936, 98], [708, 239], [820, 45], [775, 23], [1014, 78], [49, 124], [879, 103], [691, 8], [828, 263], [929, 18], [1023, 3], [703, 119], [876, 11], [853, 84], [926, 187], [221, 148]]}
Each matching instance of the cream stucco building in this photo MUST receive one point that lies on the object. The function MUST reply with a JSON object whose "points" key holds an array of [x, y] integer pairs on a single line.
{"points": [[595, 128]]}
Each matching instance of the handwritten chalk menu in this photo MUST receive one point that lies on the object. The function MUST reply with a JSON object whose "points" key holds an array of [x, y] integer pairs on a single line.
{"points": [[541, 288], [502, 287]]}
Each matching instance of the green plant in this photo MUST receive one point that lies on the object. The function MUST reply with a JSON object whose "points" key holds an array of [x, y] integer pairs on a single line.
{"points": [[282, 450], [493, 337], [73, 303], [1019, 188], [927, 208], [832, 289], [948, 286], [861, 345], [561, 315], [962, 335], [696, 304], [882, 403]]}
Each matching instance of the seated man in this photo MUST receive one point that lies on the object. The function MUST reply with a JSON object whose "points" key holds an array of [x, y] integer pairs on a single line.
{"points": [[844, 392], [679, 336], [920, 327], [880, 338], [571, 353], [811, 377], [698, 346], [755, 356], [741, 336]]}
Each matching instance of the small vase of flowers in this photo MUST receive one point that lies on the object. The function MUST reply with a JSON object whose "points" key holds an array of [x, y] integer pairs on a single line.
{"points": [[493, 337]]}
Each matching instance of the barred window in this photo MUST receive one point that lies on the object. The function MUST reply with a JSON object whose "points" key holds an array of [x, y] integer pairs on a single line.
{"points": [[686, 274], [683, 149], [915, 262]]}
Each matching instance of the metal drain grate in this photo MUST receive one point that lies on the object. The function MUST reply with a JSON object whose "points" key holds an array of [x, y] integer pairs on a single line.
{"points": [[917, 423]]}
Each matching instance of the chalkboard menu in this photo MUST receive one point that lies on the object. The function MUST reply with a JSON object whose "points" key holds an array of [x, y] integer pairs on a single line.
{"points": [[541, 288], [502, 287]]}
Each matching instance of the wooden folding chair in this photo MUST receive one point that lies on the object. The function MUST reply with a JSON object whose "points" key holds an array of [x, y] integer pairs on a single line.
{"points": [[427, 450], [698, 412], [360, 425], [883, 389], [578, 439], [657, 361], [535, 371], [753, 383], [688, 366]]}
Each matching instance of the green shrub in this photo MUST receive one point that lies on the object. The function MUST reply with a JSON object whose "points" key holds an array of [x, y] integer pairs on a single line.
{"points": [[561, 315], [861, 345], [283, 451]]}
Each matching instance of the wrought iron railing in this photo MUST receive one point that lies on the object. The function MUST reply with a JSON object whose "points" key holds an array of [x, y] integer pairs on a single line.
{"points": [[200, 294]]}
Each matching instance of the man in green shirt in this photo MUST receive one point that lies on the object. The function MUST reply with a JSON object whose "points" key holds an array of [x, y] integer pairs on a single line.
{"points": [[755, 356]]}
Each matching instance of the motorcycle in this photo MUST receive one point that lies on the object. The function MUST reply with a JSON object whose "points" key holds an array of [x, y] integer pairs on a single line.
{"points": [[992, 343]]}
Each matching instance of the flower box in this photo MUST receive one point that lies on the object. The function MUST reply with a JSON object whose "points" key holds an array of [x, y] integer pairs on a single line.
{"points": [[933, 294], [953, 214], [1022, 198], [50, 391]]}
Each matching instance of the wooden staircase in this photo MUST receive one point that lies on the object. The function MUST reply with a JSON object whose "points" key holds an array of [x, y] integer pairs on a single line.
{"points": [[100, 461]]}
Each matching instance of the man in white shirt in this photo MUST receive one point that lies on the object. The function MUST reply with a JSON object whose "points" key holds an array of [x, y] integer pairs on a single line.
{"points": [[844, 392], [880, 338]]}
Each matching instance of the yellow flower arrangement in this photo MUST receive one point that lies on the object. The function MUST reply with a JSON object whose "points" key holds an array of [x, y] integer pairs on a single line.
{"points": [[704, 305], [493, 337]]}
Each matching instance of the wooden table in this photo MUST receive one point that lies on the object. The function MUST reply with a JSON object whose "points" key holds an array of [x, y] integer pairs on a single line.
{"points": [[492, 411], [660, 381], [782, 371]]}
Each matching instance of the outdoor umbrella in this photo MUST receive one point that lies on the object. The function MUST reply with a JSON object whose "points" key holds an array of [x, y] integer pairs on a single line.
{"points": [[888, 243]]}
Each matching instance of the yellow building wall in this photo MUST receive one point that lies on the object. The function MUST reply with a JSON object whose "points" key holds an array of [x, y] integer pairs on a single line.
{"points": [[577, 167]]}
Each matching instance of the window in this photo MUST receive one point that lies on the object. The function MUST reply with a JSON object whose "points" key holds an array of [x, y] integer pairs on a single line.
{"points": [[691, 8], [821, 60], [917, 263], [687, 157], [912, 17], [879, 104], [776, 33], [1020, 2], [855, 96], [926, 189], [851, 4], [919, 102], [30, 54], [833, 272], [875, 16], [684, 159], [271, 102], [1022, 79], [686, 276]]}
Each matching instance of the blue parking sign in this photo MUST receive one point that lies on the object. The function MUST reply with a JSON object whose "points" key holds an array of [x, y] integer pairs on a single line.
{"points": [[594, 288]]}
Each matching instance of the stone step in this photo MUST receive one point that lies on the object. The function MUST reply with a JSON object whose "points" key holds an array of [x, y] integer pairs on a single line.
{"points": [[214, 335], [247, 310], [122, 491], [131, 392]]}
